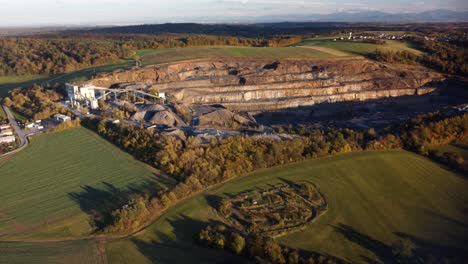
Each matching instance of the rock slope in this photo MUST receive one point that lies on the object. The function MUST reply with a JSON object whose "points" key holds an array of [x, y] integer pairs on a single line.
{"points": [[278, 84]]}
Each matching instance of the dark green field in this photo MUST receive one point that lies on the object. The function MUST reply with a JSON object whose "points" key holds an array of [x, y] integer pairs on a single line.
{"points": [[178, 54], [10, 82], [72, 252], [357, 47], [374, 199], [48, 189]]}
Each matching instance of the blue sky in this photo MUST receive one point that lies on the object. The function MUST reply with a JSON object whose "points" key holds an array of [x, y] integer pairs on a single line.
{"points": [[90, 12]]}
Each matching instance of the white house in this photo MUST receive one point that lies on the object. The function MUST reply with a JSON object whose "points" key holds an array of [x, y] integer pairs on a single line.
{"points": [[6, 132], [7, 139], [5, 126]]}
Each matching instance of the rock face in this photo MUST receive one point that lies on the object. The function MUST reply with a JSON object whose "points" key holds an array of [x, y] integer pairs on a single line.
{"points": [[277, 84]]}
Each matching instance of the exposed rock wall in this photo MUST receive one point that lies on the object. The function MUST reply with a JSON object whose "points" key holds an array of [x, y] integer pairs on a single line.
{"points": [[276, 84]]}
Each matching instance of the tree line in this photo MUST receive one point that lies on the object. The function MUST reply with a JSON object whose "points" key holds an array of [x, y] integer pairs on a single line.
{"points": [[59, 54], [34, 103], [259, 248], [441, 56], [196, 166]]}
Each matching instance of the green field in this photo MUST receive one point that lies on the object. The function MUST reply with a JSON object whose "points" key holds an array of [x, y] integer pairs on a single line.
{"points": [[374, 199], [89, 73], [50, 188], [9, 82], [358, 48], [178, 54], [72, 252]]}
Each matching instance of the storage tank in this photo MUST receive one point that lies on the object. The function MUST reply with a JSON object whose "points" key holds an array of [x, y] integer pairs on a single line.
{"points": [[94, 104]]}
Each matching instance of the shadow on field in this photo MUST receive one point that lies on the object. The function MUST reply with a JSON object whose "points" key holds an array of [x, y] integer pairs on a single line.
{"points": [[179, 246], [405, 249], [380, 249], [7, 86], [99, 203], [431, 252]]}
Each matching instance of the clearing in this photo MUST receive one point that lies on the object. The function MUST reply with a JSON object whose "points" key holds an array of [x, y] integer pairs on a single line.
{"points": [[50, 189], [373, 199]]}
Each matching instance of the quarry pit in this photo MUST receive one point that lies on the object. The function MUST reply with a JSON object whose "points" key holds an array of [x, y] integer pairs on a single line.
{"points": [[242, 94]]}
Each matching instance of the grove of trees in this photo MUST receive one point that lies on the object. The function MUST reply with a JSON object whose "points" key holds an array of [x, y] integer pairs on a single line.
{"points": [[34, 103], [67, 53], [441, 56], [261, 249], [195, 166]]}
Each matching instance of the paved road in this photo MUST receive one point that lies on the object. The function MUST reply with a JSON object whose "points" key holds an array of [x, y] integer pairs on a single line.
{"points": [[21, 133]]}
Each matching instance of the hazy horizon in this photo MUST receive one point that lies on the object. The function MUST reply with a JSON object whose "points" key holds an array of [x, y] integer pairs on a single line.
{"points": [[27, 13]]}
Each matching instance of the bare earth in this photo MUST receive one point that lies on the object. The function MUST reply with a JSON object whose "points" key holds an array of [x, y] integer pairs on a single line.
{"points": [[327, 50]]}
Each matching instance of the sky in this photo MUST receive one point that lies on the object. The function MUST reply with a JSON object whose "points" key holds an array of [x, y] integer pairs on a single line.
{"points": [[121, 12]]}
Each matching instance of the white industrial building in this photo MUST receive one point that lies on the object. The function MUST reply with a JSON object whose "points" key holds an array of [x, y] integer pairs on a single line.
{"points": [[81, 93], [90, 94], [62, 118]]}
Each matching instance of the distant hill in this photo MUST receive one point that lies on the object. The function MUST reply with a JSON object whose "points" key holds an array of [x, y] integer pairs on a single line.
{"points": [[295, 24], [440, 15]]}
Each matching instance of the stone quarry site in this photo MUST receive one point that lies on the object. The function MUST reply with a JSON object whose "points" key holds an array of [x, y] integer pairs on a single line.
{"points": [[217, 98]]}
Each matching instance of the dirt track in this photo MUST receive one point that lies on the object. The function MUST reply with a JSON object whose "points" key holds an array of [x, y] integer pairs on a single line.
{"points": [[328, 50]]}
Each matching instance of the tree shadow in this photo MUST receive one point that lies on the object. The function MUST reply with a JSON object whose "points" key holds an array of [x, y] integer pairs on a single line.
{"points": [[427, 250], [99, 203], [421, 250], [378, 248], [179, 246], [213, 201]]}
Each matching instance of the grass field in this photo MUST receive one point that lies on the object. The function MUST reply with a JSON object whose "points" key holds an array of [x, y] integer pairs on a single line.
{"points": [[72, 252], [48, 189], [178, 54], [9, 82], [374, 198], [88, 73], [18, 116], [358, 48]]}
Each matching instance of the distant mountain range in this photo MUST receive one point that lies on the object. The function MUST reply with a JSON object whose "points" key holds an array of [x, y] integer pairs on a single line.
{"points": [[293, 24], [440, 15]]}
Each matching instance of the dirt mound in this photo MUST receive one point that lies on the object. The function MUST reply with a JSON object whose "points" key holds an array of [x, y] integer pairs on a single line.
{"points": [[139, 116], [146, 112], [164, 118], [153, 107], [224, 118]]}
